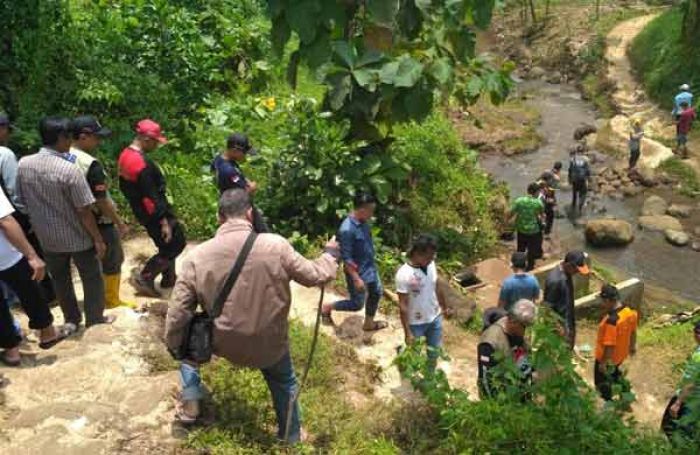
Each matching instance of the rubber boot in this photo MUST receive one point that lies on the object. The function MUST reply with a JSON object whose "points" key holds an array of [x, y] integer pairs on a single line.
{"points": [[112, 283]]}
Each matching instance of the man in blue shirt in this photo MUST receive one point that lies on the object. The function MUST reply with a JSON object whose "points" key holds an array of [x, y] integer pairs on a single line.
{"points": [[683, 97], [228, 173], [520, 285], [361, 275]]}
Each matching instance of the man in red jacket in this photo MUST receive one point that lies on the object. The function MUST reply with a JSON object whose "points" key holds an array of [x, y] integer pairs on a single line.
{"points": [[143, 185]]}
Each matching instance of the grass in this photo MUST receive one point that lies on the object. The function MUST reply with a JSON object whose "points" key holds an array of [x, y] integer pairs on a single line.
{"points": [[662, 61], [676, 337], [688, 179]]}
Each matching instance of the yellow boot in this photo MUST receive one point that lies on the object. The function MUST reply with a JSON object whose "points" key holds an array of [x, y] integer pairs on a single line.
{"points": [[112, 283]]}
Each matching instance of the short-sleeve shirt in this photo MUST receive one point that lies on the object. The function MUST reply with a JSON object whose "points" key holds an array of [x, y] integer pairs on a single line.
{"points": [[8, 175], [691, 373], [519, 286], [228, 174], [53, 188], [420, 285], [9, 256], [527, 210], [357, 248], [559, 296], [615, 330], [686, 120]]}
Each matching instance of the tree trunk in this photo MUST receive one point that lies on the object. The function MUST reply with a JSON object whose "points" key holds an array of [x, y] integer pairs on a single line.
{"points": [[532, 11]]}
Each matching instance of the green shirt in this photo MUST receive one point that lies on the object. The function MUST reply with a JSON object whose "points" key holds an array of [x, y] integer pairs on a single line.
{"points": [[527, 210], [691, 374]]}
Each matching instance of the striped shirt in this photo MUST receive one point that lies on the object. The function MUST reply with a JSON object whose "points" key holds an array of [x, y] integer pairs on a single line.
{"points": [[52, 188]]}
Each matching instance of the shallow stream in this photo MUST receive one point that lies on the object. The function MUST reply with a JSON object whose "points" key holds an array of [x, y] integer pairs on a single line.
{"points": [[649, 257]]}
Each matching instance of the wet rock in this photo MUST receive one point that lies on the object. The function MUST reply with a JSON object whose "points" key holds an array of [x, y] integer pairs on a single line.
{"points": [[660, 223], [537, 72], [631, 191], [679, 210], [597, 158], [696, 246], [646, 176], [609, 232], [554, 78], [654, 205], [676, 238], [583, 131], [617, 195], [616, 183]]}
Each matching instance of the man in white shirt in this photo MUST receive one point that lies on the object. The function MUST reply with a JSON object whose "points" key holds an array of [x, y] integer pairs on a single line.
{"points": [[420, 301]]}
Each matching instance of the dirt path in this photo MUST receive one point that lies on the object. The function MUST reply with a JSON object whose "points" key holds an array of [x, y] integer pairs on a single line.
{"points": [[633, 102]]}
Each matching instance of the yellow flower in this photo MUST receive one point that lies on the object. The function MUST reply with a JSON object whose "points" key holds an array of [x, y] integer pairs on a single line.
{"points": [[270, 103]]}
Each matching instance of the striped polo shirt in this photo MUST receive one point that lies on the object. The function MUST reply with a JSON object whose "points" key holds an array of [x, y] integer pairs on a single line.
{"points": [[52, 188]]}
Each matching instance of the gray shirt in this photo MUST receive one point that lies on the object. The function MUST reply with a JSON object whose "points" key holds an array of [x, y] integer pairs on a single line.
{"points": [[52, 188], [559, 296], [8, 174]]}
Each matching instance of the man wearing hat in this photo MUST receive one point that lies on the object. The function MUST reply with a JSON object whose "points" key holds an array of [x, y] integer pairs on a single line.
{"points": [[87, 135], [617, 339], [559, 291], [684, 96], [228, 173], [143, 185]]}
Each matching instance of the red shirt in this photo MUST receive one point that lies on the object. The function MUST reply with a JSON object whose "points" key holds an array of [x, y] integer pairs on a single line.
{"points": [[687, 118]]}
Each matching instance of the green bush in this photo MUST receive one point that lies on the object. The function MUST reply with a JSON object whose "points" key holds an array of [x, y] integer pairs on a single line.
{"points": [[690, 184], [662, 61]]}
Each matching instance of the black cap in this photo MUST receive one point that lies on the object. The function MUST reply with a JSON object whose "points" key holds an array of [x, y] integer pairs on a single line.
{"points": [[609, 292], [518, 260], [5, 121], [90, 125], [578, 260], [240, 142]]}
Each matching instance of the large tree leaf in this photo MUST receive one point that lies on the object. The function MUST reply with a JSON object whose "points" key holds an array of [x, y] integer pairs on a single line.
{"points": [[441, 70], [482, 11], [370, 57], [409, 72], [366, 78], [382, 11], [303, 18], [340, 88], [387, 74], [346, 52], [424, 5], [319, 51]]}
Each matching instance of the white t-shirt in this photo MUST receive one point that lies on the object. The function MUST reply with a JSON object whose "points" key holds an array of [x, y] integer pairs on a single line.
{"points": [[9, 256], [423, 306]]}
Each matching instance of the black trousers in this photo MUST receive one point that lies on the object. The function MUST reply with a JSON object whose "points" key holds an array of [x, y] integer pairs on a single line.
{"points": [[579, 190], [19, 279], [114, 256], [164, 260], [532, 244], [549, 218], [634, 157], [46, 285], [604, 382]]}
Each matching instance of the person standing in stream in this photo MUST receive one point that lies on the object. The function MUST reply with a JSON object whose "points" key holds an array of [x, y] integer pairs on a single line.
{"points": [[143, 185], [87, 136], [228, 173], [526, 213], [635, 143], [579, 174], [361, 274], [685, 122], [684, 96]]}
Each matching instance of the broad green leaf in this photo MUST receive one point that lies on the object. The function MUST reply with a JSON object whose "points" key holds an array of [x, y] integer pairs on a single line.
{"points": [[317, 52], [408, 72], [366, 78], [303, 18], [474, 86], [372, 165], [424, 5], [346, 52], [482, 10], [388, 72], [368, 58], [441, 70], [382, 11], [340, 88]]}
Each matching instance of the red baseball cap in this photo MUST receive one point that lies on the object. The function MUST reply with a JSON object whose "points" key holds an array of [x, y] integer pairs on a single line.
{"points": [[149, 128]]}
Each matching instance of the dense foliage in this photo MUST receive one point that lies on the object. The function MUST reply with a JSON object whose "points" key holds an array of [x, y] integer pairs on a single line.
{"points": [[663, 60]]}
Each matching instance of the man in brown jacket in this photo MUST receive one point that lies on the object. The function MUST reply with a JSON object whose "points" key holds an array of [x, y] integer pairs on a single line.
{"points": [[252, 330]]}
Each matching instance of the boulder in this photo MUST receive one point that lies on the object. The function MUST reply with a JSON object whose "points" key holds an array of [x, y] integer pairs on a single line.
{"points": [[679, 210], [583, 131], [660, 223], [653, 206], [631, 190], [696, 246], [646, 176], [609, 232], [676, 238], [554, 77], [536, 72]]}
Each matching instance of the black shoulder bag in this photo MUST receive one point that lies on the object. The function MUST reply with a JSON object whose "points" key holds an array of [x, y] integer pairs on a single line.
{"points": [[198, 345]]}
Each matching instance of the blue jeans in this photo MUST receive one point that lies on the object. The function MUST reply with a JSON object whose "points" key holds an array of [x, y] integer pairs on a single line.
{"points": [[369, 298], [281, 381], [432, 331]]}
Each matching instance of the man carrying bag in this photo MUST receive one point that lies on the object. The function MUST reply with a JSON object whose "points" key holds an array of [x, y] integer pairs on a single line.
{"points": [[251, 329]]}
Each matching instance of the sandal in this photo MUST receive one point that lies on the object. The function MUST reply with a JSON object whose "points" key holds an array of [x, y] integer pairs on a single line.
{"points": [[376, 325], [10, 363], [51, 343], [68, 329], [326, 319]]}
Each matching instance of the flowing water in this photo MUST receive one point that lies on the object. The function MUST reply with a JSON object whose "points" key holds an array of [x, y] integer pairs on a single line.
{"points": [[649, 257]]}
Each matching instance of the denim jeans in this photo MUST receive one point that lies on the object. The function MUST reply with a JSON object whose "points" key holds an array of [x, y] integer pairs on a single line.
{"points": [[432, 331], [281, 381], [369, 298]]}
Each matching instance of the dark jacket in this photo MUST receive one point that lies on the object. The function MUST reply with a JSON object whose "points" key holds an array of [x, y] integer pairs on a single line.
{"points": [[143, 185]]}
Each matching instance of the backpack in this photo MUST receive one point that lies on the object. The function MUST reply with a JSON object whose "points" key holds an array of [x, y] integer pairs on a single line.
{"points": [[578, 170]]}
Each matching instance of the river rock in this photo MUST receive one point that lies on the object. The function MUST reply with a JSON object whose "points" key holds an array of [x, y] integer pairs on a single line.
{"points": [[583, 131], [631, 190], [554, 77], [660, 223], [616, 183], [646, 176], [609, 232], [696, 246], [537, 72], [677, 238], [679, 210], [654, 205]]}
